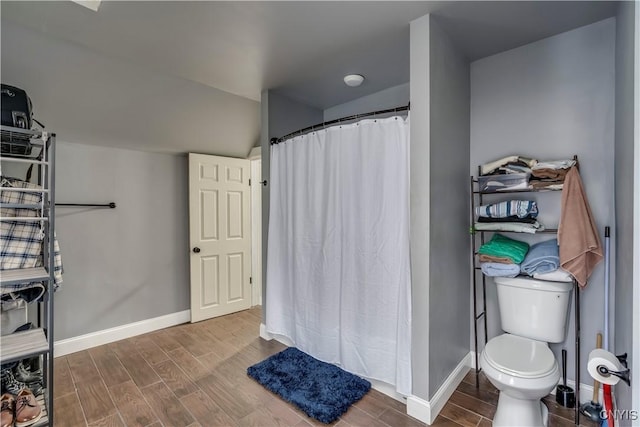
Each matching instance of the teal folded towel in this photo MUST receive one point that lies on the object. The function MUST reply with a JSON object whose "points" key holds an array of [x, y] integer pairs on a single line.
{"points": [[501, 246]]}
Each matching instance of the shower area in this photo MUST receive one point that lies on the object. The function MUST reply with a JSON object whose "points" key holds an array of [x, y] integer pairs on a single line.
{"points": [[338, 276]]}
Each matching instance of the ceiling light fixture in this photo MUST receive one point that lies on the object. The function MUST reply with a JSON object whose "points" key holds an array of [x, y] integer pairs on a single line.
{"points": [[353, 80]]}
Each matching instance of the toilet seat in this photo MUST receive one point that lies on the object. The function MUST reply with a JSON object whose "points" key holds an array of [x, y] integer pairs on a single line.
{"points": [[519, 357]]}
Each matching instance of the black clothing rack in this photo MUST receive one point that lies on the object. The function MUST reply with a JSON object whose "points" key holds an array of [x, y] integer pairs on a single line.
{"points": [[111, 205], [340, 120]]}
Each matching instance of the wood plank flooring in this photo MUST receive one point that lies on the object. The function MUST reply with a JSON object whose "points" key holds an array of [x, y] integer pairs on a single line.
{"points": [[195, 375]]}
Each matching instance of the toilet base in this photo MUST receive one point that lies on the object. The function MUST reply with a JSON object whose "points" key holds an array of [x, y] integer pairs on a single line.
{"points": [[512, 412]]}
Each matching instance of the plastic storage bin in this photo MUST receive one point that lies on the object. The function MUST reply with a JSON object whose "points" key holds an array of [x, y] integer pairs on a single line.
{"points": [[504, 182]]}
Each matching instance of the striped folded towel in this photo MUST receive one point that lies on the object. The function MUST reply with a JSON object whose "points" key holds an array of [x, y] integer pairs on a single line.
{"points": [[519, 208]]}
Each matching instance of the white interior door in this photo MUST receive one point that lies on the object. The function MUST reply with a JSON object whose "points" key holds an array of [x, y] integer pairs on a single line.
{"points": [[220, 235]]}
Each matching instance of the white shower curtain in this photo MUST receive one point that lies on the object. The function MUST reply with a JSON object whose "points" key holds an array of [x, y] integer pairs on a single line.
{"points": [[338, 271]]}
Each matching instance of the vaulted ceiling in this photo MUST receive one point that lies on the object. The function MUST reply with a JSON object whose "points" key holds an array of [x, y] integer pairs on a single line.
{"points": [[302, 47], [198, 55]]}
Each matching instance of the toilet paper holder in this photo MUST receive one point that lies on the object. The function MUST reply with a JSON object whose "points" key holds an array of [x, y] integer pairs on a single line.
{"points": [[624, 375]]}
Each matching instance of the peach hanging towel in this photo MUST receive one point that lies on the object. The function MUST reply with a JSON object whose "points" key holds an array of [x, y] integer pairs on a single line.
{"points": [[578, 239]]}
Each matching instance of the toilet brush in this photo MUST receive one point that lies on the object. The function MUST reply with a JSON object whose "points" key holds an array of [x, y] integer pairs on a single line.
{"points": [[565, 395], [592, 409]]}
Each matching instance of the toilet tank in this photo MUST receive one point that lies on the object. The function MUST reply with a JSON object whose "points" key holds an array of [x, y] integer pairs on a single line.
{"points": [[534, 309]]}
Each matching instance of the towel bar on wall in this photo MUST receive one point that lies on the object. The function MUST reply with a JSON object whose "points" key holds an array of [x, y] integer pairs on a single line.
{"points": [[110, 205]]}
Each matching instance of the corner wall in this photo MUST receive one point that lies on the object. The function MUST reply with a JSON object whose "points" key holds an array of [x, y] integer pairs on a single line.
{"points": [[439, 211], [449, 208], [420, 203], [125, 264], [625, 185]]}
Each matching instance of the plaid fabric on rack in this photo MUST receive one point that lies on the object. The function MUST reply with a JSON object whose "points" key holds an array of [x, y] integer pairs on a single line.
{"points": [[21, 241]]}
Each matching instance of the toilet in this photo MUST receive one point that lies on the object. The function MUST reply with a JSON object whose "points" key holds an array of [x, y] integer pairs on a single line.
{"points": [[519, 362]]}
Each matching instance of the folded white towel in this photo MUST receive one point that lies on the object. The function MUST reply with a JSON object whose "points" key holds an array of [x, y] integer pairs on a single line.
{"points": [[487, 168], [554, 276], [520, 227], [554, 164]]}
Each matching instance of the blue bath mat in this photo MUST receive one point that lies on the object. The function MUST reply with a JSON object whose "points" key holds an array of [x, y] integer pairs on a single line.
{"points": [[321, 390]]}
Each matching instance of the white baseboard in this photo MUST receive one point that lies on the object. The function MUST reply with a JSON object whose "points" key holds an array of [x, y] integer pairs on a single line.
{"points": [[264, 334], [472, 359], [94, 339], [387, 389], [427, 411], [586, 390]]}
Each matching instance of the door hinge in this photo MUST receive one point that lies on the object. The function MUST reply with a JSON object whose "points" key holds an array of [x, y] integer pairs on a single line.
{"points": [[249, 182], [251, 280]]}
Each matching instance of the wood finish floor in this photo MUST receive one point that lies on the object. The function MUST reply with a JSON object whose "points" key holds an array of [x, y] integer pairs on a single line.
{"points": [[195, 375]]}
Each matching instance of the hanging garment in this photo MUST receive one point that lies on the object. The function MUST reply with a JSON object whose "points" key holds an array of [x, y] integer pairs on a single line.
{"points": [[21, 241], [338, 266], [580, 246]]}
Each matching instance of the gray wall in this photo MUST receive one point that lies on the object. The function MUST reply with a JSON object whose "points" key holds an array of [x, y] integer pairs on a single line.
{"points": [[125, 264], [624, 192], [392, 97], [130, 263], [280, 116], [550, 100], [287, 115], [94, 99], [420, 204], [440, 270], [449, 270]]}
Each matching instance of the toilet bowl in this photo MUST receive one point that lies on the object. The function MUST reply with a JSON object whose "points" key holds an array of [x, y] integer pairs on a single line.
{"points": [[524, 371], [519, 362]]}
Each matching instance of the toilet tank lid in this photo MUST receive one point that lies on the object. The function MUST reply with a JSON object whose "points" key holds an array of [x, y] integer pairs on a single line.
{"points": [[529, 283]]}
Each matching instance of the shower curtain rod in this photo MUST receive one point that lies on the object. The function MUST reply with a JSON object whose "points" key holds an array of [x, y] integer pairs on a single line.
{"points": [[340, 120]]}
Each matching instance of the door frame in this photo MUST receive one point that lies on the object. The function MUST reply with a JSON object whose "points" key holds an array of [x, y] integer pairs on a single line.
{"points": [[255, 156]]}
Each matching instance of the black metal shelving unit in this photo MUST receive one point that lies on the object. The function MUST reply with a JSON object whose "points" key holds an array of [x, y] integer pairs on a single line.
{"points": [[39, 152], [477, 240]]}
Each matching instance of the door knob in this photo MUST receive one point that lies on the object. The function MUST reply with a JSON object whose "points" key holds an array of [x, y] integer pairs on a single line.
{"points": [[196, 249]]}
